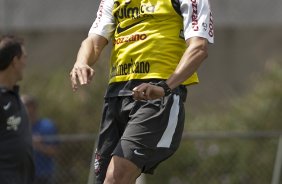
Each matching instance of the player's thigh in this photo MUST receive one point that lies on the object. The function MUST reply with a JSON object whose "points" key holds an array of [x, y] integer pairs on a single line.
{"points": [[153, 133], [122, 169]]}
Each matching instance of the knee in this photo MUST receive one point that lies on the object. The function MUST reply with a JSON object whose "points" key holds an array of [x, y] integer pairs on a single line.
{"points": [[115, 176], [121, 171]]}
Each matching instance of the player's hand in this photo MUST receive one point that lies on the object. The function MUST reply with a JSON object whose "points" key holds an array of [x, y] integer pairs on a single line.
{"points": [[147, 91], [81, 74]]}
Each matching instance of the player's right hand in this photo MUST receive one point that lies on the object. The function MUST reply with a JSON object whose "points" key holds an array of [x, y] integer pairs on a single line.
{"points": [[81, 74]]}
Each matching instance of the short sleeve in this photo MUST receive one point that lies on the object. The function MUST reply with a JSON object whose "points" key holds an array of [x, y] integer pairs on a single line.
{"points": [[198, 19], [104, 24]]}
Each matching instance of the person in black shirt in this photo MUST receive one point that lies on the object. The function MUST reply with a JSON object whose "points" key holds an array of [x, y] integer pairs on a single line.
{"points": [[16, 160]]}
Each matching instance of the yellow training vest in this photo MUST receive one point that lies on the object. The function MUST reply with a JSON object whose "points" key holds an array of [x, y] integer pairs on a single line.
{"points": [[148, 41]]}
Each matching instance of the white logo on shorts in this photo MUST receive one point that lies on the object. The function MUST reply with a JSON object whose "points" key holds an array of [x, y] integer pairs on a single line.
{"points": [[138, 153]]}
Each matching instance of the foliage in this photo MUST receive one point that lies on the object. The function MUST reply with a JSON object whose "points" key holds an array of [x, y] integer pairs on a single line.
{"points": [[258, 110], [73, 112], [196, 162], [232, 161]]}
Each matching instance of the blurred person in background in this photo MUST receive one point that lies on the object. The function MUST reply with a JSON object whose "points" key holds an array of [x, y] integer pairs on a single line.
{"points": [[16, 160], [45, 146], [157, 48]]}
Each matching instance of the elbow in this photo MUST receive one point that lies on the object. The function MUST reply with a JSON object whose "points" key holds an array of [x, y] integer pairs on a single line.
{"points": [[205, 53], [85, 43], [204, 50], [199, 47]]}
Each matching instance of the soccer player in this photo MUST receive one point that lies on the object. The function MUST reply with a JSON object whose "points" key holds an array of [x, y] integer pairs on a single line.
{"points": [[16, 160], [157, 46]]}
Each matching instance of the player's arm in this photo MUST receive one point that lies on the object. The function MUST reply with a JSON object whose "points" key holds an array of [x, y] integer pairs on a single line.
{"points": [[87, 56], [197, 39], [198, 33], [195, 54]]}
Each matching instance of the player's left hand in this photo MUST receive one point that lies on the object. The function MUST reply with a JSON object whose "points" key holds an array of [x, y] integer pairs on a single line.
{"points": [[147, 91]]}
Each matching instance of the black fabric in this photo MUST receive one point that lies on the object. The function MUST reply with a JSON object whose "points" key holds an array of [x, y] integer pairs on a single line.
{"points": [[128, 125], [16, 160], [147, 160], [176, 6], [125, 88]]}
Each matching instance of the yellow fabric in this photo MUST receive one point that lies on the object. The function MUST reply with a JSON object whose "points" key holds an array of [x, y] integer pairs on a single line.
{"points": [[152, 44]]}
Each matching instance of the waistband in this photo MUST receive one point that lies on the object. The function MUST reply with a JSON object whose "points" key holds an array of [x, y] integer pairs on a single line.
{"points": [[125, 88]]}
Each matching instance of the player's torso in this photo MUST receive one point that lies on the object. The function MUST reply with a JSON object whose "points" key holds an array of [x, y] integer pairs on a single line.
{"points": [[148, 41]]}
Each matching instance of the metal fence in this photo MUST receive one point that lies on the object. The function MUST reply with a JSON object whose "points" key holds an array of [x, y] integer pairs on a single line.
{"points": [[203, 158]]}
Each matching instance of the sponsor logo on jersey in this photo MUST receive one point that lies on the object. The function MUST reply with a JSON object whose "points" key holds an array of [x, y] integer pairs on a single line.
{"points": [[99, 14], [13, 123], [133, 12], [195, 15], [211, 30], [138, 67], [130, 38], [121, 29]]}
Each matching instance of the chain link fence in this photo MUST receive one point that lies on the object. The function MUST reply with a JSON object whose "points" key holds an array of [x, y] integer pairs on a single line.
{"points": [[208, 157], [203, 158]]}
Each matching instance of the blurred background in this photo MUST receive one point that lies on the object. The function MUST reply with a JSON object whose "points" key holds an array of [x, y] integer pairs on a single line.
{"points": [[233, 131]]}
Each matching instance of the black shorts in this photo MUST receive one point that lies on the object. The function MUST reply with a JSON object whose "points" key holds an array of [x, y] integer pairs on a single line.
{"points": [[144, 132]]}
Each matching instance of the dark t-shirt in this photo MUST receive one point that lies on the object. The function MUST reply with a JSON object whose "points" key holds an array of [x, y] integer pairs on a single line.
{"points": [[16, 160]]}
